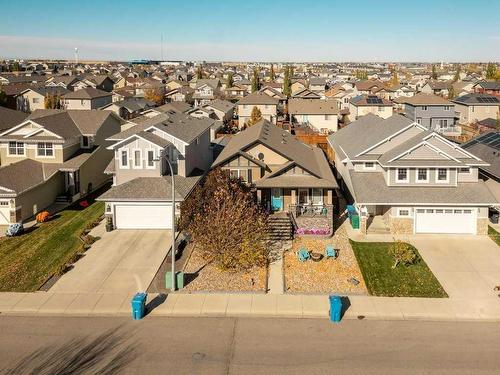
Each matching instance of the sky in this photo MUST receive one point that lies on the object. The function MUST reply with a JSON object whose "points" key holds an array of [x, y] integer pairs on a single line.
{"points": [[253, 30]]}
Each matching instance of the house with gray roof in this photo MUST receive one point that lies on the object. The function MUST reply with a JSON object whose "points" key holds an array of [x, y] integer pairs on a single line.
{"points": [[87, 98], [288, 175], [320, 115], [141, 195], [205, 91], [267, 105], [53, 155], [406, 179], [475, 107]]}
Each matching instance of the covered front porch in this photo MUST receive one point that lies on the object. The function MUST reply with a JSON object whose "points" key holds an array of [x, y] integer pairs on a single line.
{"points": [[309, 208]]}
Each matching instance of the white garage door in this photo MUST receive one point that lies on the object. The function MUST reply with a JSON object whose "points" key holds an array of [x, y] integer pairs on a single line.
{"points": [[129, 216], [445, 220]]}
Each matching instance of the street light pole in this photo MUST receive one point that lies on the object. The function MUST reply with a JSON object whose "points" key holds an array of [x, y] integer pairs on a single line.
{"points": [[165, 156]]}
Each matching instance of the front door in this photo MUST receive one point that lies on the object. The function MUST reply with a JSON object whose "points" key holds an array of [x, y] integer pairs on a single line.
{"points": [[276, 199]]}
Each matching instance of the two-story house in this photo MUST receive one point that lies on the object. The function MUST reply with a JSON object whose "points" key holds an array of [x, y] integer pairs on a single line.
{"points": [[87, 98], [433, 112], [267, 105], [141, 195], [363, 104], [477, 107], [288, 175], [321, 115], [205, 91], [406, 179], [441, 88], [487, 87], [53, 154], [33, 98]]}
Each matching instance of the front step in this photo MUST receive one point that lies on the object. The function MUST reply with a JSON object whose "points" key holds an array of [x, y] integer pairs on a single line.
{"points": [[280, 228]]}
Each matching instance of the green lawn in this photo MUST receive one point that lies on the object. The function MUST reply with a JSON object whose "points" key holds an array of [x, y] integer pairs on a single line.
{"points": [[29, 260], [494, 235], [375, 262]]}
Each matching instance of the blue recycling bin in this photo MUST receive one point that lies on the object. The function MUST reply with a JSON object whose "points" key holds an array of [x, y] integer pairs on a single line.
{"points": [[335, 308], [139, 306]]}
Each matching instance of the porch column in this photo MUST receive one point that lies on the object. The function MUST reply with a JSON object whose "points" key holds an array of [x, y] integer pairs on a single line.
{"points": [[329, 195], [294, 196], [259, 196]]}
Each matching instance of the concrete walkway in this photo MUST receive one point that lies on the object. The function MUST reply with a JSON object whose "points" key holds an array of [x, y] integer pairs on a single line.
{"points": [[267, 305]]}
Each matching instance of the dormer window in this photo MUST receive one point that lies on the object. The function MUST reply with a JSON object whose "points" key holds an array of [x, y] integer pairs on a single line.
{"points": [[124, 158], [442, 175]]}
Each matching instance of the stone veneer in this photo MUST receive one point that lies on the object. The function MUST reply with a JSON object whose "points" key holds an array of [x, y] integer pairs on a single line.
{"points": [[363, 224], [482, 225], [401, 225]]}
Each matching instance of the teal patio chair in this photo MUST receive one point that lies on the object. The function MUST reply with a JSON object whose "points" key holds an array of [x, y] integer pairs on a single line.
{"points": [[303, 254], [330, 252]]}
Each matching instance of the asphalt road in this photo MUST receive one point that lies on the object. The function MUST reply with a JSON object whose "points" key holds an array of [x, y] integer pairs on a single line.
{"points": [[157, 345]]}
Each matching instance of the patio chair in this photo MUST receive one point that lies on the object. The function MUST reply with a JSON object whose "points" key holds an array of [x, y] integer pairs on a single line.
{"points": [[331, 252], [303, 254]]}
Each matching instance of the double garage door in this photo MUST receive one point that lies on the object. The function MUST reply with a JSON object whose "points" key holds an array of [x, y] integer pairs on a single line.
{"points": [[143, 216], [445, 220]]}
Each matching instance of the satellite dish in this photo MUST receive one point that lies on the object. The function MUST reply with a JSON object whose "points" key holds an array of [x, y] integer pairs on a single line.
{"points": [[260, 156]]}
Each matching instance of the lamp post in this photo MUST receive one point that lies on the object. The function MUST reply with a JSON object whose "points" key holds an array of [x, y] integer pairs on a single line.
{"points": [[165, 156]]}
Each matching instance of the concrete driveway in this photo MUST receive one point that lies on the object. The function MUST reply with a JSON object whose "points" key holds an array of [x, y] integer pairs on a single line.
{"points": [[466, 266], [122, 261]]}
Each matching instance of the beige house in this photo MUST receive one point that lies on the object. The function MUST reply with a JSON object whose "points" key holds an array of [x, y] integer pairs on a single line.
{"points": [[321, 115], [364, 104], [406, 179], [53, 155], [87, 98], [289, 176], [267, 105], [477, 107], [32, 99], [141, 195]]}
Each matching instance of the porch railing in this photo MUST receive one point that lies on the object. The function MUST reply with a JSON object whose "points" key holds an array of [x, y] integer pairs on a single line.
{"points": [[312, 210]]}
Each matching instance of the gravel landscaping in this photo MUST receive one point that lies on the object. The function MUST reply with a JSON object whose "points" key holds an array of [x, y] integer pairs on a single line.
{"points": [[203, 277], [327, 275]]}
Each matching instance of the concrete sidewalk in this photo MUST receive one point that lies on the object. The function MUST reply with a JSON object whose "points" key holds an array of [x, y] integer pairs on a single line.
{"points": [[258, 305]]}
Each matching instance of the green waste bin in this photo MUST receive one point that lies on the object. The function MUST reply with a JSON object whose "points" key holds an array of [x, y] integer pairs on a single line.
{"points": [[179, 280], [355, 221]]}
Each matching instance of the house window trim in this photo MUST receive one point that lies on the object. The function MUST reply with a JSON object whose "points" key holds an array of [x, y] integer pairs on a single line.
{"points": [[406, 180], [372, 168], [438, 181], [121, 158], [134, 166], [153, 166], [45, 148], [399, 209], [308, 200], [469, 172], [321, 201], [17, 148], [427, 173]]}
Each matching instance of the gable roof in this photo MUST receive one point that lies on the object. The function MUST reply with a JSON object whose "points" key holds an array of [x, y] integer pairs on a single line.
{"points": [[87, 93], [263, 132], [487, 147], [426, 99], [24, 175], [477, 99], [258, 98], [10, 118], [313, 107], [370, 101]]}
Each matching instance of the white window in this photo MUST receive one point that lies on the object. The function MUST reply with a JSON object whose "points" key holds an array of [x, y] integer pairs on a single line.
{"points": [[424, 108], [303, 196], [369, 165], [419, 120], [402, 175], [16, 148], [137, 159], [151, 159], [422, 175], [442, 175], [4, 203], [443, 124], [244, 174], [36, 100], [446, 107], [464, 170], [403, 212], [45, 149], [124, 158], [380, 109]]}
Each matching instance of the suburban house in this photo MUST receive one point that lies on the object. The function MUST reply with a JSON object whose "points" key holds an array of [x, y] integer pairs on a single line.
{"points": [[205, 91], [222, 109], [367, 87], [99, 82], [317, 85], [363, 104], [65, 82], [487, 147], [477, 107], [297, 85], [288, 175], [319, 114], [440, 88], [53, 155], [235, 92], [487, 87], [33, 98], [267, 105], [129, 108], [88, 98], [406, 179], [141, 195], [179, 94], [433, 112]]}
